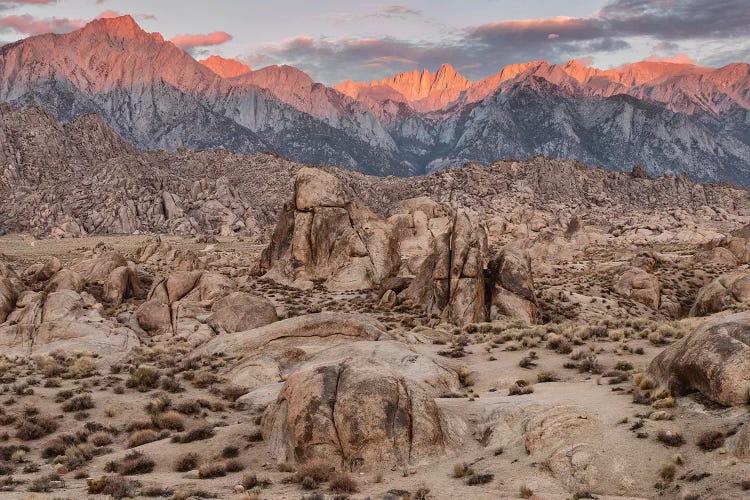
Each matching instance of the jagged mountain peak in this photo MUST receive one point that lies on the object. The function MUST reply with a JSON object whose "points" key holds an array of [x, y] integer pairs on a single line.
{"points": [[225, 68]]}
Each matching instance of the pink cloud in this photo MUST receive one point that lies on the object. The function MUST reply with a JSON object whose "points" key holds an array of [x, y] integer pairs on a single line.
{"points": [[188, 42], [30, 25]]}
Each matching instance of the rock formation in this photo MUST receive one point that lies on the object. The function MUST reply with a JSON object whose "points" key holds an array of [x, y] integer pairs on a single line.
{"points": [[714, 359], [323, 236], [360, 412], [726, 290]]}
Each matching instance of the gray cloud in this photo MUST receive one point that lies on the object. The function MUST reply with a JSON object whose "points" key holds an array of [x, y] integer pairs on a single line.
{"points": [[481, 50]]}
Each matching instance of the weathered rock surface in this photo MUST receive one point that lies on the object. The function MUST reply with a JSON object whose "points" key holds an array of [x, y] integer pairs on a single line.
{"points": [[725, 291], [363, 415], [322, 236], [268, 351], [714, 359], [640, 286], [512, 286], [241, 311]]}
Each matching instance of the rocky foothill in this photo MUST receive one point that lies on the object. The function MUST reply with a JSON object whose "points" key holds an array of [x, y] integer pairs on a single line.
{"points": [[205, 324]]}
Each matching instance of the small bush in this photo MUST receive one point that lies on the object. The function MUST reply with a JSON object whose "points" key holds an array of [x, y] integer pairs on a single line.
{"points": [[143, 379], [187, 462], [233, 465], [667, 472], [170, 420], [230, 452], [211, 470], [35, 427], [78, 403], [135, 462], [317, 469], [460, 470], [525, 492], [142, 437], [711, 440], [100, 439], [669, 438], [251, 481], [198, 434], [341, 482], [83, 367], [476, 479], [546, 376], [43, 484]]}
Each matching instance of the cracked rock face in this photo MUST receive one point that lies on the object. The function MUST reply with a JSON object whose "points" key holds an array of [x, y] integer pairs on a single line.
{"points": [[724, 291], [363, 415], [714, 359], [322, 236]]}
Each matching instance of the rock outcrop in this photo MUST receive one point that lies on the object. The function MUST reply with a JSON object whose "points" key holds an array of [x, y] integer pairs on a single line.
{"points": [[714, 359], [180, 305], [723, 292], [362, 413], [323, 236], [512, 286], [640, 286]]}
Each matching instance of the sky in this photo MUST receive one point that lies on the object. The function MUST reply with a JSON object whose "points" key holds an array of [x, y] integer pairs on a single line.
{"points": [[336, 40]]}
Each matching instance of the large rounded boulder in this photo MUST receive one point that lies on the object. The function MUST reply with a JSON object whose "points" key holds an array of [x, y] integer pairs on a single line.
{"points": [[359, 415], [714, 359]]}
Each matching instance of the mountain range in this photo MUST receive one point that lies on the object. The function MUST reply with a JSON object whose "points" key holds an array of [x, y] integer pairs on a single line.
{"points": [[667, 117]]}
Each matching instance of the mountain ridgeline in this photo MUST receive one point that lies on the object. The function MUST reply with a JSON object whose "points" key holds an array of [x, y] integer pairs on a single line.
{"points": [[670, 118]]}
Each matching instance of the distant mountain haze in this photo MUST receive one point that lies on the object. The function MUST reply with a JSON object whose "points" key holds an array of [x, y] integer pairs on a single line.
{"points": [[668, 117]]}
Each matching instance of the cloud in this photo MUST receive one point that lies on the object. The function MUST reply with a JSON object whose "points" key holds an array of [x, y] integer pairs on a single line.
{"points": [[383, 12], [483, 49], [190, 42], [30, 25]]}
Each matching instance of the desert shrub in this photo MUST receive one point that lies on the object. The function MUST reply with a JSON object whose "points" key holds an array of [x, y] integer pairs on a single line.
{"points": [[711, 440], [519, 389], [233, 465], [113, 486], [82, 367], [63, 395], [233, 392], [100, 438], [78, 403], [317, 469], [43, 484], [341, 482], [525, 492], [204, 379], [188, 407], [476, 479], [460, 470], [135, 462], [187, 462], [33, 428], [170, 420], [171, 384], [144, 379], [160, 403], [230, 451], [546, 376], [667, 472], [57, 446], [197, 434], [211, 470], [669, 438], [77, 455], [251, 481], [142, 437]]}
